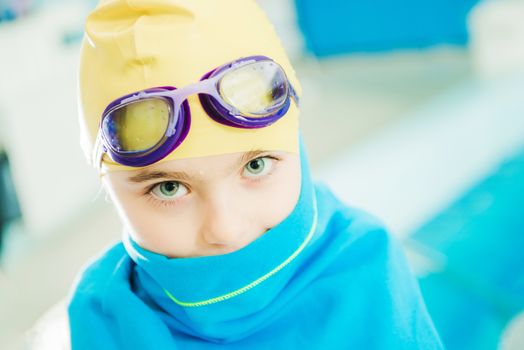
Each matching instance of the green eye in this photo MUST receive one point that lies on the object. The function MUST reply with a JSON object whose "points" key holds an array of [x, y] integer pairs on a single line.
{"points": [[257, 167], [169, 190]]}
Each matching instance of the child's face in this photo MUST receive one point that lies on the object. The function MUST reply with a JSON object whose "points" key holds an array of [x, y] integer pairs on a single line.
{"points": [[206, 206]]}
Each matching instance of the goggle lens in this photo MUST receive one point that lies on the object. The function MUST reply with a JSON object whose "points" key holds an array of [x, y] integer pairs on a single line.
{"points": [[256, 89], [138, 126]]}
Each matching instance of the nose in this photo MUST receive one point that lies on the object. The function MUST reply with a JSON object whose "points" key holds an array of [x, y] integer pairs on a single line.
{"points": [[222, 223]]}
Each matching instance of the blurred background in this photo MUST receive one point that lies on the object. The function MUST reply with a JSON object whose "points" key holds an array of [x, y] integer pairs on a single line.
{"points": [[411, 110]]}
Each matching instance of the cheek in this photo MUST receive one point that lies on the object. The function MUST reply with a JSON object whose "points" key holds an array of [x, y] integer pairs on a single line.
{"points": [[275, 202], [164, 230], [159, 229]]}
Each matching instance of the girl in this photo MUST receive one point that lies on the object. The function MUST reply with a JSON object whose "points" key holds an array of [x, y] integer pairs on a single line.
{"points": [[189, 111]]}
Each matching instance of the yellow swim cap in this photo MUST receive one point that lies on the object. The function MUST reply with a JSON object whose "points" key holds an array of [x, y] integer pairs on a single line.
{"points": [[131, 45]]}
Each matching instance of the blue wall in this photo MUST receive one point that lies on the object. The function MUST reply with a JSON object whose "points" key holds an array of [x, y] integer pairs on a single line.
{"points": [[345, 26]]}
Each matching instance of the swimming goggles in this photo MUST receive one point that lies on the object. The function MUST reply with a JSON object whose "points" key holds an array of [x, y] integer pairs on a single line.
{"points": [[141, 128]]}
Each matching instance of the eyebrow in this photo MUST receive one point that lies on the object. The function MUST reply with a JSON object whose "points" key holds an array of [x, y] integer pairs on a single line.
{"points": [[147, 175], [155, 175]]}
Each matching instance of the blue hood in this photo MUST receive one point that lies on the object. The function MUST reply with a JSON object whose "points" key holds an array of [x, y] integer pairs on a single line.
{"points": [[328, 276]]}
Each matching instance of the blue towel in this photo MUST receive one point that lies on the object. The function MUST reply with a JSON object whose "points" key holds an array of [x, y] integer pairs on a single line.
{"points": [[327, 277]]}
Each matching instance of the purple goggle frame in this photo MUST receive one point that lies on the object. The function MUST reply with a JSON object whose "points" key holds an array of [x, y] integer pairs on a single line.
{"points": [[180, 114]]}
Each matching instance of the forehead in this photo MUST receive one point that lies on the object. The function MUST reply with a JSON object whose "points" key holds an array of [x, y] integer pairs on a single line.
{"points": [[194, 169]]}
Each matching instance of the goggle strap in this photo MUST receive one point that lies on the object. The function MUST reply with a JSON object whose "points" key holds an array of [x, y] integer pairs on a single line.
{"points": [[294, 94], [98, 152]]}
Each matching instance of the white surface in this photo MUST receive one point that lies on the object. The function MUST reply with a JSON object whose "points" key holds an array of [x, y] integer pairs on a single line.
{"points": [[496, 29], [45, 271], [38, 116], [411, 171], [513, 336]]}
